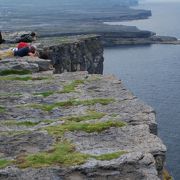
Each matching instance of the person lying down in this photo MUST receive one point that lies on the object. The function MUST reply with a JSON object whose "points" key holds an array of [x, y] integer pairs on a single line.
{"points": [[21, 51]]}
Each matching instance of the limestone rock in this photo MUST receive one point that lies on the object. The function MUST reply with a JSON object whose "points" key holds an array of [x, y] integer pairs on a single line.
{"points": [[31, 64], [28, 108], [75, 53]]}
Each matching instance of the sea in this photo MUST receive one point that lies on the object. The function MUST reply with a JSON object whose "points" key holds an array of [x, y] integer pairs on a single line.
{"points": [[152, 73]]}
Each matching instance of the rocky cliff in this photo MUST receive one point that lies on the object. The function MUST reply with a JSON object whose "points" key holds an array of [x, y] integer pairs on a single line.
{"points": [[74, 125], [75, 53]]}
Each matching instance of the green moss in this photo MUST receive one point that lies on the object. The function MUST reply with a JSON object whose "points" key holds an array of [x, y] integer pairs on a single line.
{"points": [[12, 71], [23, 123], [48, 121], [2, 109], [87, 127], [62, 154], [13, 133], [166, 175], [110, 156], [44, 94], [4, 163], [24, 78], [71, 87], [10, 94], [114, 115], [90, 115], [73, 102]]}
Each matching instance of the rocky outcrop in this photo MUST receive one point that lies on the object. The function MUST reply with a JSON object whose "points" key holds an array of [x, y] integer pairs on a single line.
{"points": [[65, 54], [28, 64], [76, 126], [75, 53]]}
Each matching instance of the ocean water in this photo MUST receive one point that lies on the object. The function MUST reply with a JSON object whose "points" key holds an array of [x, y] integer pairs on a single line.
{"points": [[153, 74]]}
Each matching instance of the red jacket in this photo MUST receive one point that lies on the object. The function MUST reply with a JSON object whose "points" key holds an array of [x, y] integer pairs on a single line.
{"points": [[22, 45]]}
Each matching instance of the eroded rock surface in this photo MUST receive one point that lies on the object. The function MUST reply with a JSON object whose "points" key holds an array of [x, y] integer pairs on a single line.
{"points": [[73, 53], [31, 64], [105, 130]]}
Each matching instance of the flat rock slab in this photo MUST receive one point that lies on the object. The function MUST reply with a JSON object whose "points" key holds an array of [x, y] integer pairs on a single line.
{"points": [[28, 107], [32, 64]]}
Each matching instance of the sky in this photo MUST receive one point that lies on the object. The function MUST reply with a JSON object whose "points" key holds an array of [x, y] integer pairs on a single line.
{"points": [[161, 0]]}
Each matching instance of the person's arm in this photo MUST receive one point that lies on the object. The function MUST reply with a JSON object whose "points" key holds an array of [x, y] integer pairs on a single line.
{"points": [[31, 54]]}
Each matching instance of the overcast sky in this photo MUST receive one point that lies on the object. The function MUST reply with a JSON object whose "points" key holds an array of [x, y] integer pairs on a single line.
{"points": [[161, 0]]}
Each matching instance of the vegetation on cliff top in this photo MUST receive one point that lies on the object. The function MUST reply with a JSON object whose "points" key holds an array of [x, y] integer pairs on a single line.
{"points": [[2, 109], [63, 154], [59, 130], [89, 116], [71, 87], [12, 71], [72, 102], [4, 163]]}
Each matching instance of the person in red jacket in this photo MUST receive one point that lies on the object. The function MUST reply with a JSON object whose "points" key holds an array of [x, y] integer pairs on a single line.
{"points": [[22, 45]]}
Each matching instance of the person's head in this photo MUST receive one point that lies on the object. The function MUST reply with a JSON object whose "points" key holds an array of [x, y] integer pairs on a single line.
{"points": [[33, 34], [32, 49]]}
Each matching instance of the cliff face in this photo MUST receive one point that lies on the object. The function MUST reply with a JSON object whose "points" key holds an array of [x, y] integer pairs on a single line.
{"points": [[78, 53]]}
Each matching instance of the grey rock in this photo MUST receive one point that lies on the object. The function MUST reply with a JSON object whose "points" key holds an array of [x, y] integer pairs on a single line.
{"points": [[18, 64], [77, 53], [145, 153], [32, 64]]}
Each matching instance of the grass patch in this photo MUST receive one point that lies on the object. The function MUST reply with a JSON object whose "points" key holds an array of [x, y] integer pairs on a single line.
{"points": [[73, 102], [114, 115], [48, 121], [62, 154], [4, 163], [10, 94], [44, 94], [25, 78], [166, 175], [2, 109], [13, 133], [12, 71], [109, 156], [59, 130], [23, 123], [71, 87], [90, 115]]}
